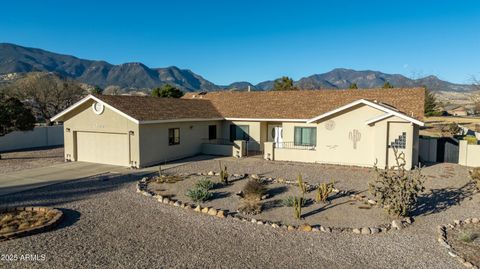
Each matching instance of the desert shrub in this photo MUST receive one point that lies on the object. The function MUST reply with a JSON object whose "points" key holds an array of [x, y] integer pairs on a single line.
{"points": [[301, 185], [254, 190], [323, 191], [467, 237], [397, 189], [290, 201], [471, 139], [475, 175], [250, 206], [223, 173], [199, 194], [205, 184]]}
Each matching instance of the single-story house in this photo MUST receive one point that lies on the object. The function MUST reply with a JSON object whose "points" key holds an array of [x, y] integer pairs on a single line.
{"points": [[348, 127], [456, 110]]}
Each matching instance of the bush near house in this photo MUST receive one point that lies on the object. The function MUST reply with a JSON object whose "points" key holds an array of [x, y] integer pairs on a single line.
{"points": [[472, 140], [252, 195], [397, 189], [198, 194], [254, 190], [290, 201], [205, 184]]}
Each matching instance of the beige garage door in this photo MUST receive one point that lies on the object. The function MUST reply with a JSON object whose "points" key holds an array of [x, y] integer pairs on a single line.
{"points": [[106, 148]]}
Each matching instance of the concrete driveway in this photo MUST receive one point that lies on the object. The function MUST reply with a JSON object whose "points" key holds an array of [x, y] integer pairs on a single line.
{"points": [[39, 177]]}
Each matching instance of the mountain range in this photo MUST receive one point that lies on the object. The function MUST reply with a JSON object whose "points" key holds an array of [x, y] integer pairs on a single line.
{"points": [[135, 76]]}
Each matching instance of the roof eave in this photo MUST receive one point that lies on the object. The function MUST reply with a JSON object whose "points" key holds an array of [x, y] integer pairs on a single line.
{"points": [[371, 104], [60, 115]]}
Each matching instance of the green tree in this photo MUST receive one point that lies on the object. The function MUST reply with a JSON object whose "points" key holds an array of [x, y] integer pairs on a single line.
{"points": [[14, 116], [431, 105], [387, 85], [96, 90], [168, 91], [284, 84], [353, 86]]}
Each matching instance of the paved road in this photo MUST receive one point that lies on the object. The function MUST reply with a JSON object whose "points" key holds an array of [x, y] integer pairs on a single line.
{"points": [[43, 176]]}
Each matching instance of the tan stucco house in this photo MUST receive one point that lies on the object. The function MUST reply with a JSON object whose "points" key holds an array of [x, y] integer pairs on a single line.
{"points": [[348, 127]]}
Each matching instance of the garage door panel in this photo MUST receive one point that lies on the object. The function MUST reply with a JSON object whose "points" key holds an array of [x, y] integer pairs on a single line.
{"points": [[106, 148]]}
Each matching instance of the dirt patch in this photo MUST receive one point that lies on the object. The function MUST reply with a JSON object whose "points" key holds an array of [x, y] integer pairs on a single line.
{"points": [[340, 211], [20, 160], [466, 242]]}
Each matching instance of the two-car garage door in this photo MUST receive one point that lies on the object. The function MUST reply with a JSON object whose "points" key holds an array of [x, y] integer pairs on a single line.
{"points": [[106, 148]]}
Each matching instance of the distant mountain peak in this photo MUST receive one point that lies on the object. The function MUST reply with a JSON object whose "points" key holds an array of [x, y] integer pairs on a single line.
{"points": [[136, 75], [19, 59]]}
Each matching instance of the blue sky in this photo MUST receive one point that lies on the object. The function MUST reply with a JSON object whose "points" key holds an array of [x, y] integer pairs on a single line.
{"points": [[227, 41]]}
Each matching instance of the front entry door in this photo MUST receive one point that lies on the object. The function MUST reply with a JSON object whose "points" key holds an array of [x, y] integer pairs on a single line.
{"points": [[278, 136]]}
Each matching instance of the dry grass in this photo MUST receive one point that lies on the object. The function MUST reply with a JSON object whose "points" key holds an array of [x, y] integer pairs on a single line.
{"points": [[249, 206], [22, 220], [466, 241], [433, 125], [254, 190], [168, 179]]}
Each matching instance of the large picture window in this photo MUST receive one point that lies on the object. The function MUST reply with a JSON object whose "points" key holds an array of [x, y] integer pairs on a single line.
{"points": [[305, 136], [174, 136], [239, 132]]}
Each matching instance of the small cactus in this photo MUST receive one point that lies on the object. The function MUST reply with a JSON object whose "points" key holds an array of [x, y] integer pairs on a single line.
{"points": [[301, 185], [223, 173], [159, 171], [297, 207], [323, 191]]}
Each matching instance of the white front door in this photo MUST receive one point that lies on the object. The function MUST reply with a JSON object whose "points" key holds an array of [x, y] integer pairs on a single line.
{"points": [[278, 137]]}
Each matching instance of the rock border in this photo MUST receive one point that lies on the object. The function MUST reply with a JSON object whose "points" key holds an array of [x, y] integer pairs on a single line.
{"points": [[383, 228], [33, 230], [442, 239]]}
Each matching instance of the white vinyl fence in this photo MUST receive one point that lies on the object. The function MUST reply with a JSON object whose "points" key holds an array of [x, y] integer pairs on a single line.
{"points": [[469, 154], [41, 136]]}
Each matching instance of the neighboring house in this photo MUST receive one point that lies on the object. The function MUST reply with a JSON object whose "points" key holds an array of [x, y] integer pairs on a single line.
{"points": [[456, 110], [348, 127]]}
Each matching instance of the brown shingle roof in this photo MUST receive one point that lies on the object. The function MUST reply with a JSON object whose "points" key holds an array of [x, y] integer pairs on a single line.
{"points": [[262, 105], [153, 108], [307, 104]]}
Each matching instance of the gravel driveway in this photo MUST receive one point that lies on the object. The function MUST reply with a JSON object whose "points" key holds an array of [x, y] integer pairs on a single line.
{"points": [[109, 225]]}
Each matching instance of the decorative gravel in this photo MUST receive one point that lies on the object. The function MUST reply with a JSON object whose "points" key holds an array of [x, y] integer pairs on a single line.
{"points": [[27, 159], [342, 211], [108, 225]]}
